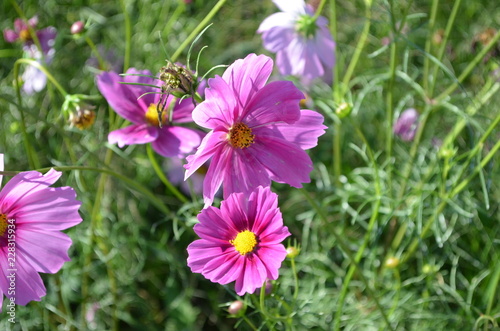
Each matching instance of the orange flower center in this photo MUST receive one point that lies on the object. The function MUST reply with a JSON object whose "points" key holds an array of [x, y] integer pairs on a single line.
{"points": [[25, 35], [244, 242], [152, 116], [3, 224], [240, 136]]}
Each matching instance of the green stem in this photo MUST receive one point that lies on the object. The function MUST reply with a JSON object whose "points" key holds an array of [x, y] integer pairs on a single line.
{"points": [[128, 36], [428, 44], [198, 29], [100, 60], [442, 49], [162, 176], [295, 279], [345, 248], [368, 234], [337, 131], [319, 10], [359, 48], [40, 67]]}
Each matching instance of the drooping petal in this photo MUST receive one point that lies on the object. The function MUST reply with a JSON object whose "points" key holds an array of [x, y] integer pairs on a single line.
{"points": [[133, 134], [276, 102], [213, 141], [246, 76], [219, 106], [304, 132], [219, 166], [176, 141], [286, 162]]}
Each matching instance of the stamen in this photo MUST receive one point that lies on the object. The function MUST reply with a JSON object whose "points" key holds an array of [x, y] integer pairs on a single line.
{"points": [[240, 136], [244, 242]]}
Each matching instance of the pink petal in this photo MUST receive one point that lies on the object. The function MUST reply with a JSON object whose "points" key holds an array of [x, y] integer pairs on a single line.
{"points": [[134, 134], [252, 277], [304, 132], [313, 67], [200, 252], [122, 98], [28, 283], [224, 268], [277, 38], [325, 47], [285, 162], [276, 102], [234, 211], [272, 256], [219, 106], [45, 251], [215, 227], [10, 36], [219, 166], [22, 185], [50, 209], [247, 76], [176, 141], [245, 173], [209, 145]]}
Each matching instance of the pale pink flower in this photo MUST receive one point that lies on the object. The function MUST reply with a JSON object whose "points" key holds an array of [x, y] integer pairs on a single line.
{"points": [[407, 124], [32, 215], [304, 47], [241, 241]]}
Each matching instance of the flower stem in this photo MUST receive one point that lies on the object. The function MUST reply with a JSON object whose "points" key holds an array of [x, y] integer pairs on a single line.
{"points": [[128, 35], [198, 29], [428, 44], [100, 60], [345, 248], [162, 176]]}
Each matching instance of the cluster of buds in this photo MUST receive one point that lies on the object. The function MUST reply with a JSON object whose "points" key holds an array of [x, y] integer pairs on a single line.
{"points": [[177, 81]]}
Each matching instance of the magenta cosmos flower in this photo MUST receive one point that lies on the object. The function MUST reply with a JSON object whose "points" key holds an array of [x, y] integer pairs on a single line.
{"points": [[304, 47], [258, 132], [241, 241], [169, 140], [32, 215]]}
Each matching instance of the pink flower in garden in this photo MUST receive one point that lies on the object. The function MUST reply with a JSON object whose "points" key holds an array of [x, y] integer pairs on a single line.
{"points": [[32, 215], [407, 124], [34, 79], [169, 140], [258, 132], [304, 47], [241, 241]]}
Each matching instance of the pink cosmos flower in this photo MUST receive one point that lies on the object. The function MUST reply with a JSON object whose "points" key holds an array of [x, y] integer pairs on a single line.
{"points": [[32, 215], [304, 47], [407, 124], [169, 140], [241, 241], [258, 132], [34, 79]]}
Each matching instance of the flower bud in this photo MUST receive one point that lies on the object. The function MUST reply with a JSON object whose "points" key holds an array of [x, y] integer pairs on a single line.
{"points": [[343, 110], [82, 118], [292, 252], [235, 307], [392, 262], [406, 125], [77, 27]]}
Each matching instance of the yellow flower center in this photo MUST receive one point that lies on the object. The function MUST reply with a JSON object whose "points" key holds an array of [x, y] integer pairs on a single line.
{"points": [[244, 242], [240, 136], [25, 35], [152, 116], [3, 224]]}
